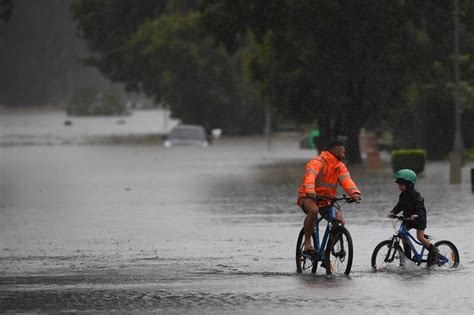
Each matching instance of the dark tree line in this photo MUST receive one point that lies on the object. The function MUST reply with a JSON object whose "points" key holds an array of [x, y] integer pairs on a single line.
{"points": [[356, 64], [341, 65], [158, 47]]}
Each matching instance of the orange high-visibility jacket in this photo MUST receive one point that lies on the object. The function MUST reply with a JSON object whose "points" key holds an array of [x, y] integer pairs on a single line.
{"points": [[322, 175]]}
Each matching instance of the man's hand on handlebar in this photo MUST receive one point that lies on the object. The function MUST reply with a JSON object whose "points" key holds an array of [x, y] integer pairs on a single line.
{"points": [[356, 197]]}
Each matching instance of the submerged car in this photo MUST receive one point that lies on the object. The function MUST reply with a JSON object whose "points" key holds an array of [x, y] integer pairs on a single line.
{"points": [[193, 135]]}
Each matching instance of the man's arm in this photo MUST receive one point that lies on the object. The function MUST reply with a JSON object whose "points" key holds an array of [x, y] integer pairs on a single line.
{"points": [[313, 168], [348, 184]]}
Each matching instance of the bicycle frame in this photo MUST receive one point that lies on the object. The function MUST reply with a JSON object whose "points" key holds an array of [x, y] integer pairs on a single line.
{"points": [[404, 234]]}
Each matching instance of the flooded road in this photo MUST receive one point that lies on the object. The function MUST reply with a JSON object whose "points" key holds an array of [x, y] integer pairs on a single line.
{"points": [[143, 227]]}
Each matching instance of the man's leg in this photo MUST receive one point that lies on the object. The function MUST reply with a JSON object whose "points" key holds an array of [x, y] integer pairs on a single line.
{"points": [[312, 211], [339, 217]]}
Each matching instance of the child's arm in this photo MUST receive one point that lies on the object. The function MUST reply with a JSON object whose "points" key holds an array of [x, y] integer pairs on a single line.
{"points": [[419, 204], [396, 210]]}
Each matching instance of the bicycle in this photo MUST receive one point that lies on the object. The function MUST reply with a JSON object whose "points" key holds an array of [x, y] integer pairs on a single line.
{"points": [[390, 252], [335, 251]]}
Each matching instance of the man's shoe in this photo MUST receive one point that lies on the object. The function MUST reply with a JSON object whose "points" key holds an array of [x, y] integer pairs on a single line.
{"points": [[310, 252]]}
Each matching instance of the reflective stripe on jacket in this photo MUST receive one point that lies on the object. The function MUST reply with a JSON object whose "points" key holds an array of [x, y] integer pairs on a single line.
{"points": [[322, 175]]}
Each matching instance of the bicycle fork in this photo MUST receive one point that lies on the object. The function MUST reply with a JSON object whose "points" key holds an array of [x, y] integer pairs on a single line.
{"points": [[392, 250], [337, 237]]}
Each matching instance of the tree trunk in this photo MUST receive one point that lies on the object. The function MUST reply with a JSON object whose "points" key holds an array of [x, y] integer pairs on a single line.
{"points": [[330, 131], [326, 134], [353, 147]]}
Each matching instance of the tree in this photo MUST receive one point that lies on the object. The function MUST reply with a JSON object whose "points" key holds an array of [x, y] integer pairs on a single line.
{"points": [[353, 64], [107, 26], [160, 50], [339, 62], [426, 119], [188, 72]]}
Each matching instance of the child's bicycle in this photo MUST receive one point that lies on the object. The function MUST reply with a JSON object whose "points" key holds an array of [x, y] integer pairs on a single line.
{"points": [[390, 253], [335, 251]]}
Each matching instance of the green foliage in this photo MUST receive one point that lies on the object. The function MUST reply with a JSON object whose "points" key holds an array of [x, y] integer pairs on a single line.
{"points": [[428, 122], [470, 154], [200, 82], [412, 159], [161, 51], [106, 26], [342, 63], [425, 117], [93, 103]]}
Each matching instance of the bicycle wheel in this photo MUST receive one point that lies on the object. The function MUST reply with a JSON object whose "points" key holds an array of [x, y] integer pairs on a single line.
{"points": [[448, 254], [386, 257], [339, 252], [303, 263]]}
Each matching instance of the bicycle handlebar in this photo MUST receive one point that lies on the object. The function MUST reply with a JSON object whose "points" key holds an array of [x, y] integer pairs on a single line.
{"points": [[333, 199], [401, 218]]}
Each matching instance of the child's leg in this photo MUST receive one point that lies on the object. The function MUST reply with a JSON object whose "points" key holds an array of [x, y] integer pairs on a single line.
{"points": [[406, 248], [420, 234], [433, 251]]}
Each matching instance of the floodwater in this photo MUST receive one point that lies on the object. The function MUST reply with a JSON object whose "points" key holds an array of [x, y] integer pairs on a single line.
{"points": [[185, 229]]}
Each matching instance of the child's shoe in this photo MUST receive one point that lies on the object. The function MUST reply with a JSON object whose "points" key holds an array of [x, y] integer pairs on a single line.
{"points": [[432, 256], [407, 252]]}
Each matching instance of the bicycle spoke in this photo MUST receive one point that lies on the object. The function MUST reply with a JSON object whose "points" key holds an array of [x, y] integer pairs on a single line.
{"points": [[388, 258], [338, 255], [449, 255]]}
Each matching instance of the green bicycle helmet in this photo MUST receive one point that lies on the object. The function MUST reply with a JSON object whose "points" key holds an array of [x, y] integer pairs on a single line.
{"points": [[405, 176]]}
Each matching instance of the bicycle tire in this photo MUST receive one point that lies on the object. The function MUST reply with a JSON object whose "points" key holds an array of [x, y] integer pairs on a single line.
{"points": [[377, 249], [454, 255], [336, 254], [299, 245]]}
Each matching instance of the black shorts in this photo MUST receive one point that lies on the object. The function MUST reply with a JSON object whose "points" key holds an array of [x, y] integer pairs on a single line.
{"points": [[323, 211], [419, 223]]}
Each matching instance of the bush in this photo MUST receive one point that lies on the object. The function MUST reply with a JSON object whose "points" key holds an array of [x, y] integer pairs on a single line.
{"points": [[412, 159], [93, 103], [470, 154]]}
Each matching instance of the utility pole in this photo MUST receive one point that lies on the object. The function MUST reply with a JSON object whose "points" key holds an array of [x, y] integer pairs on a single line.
{"points": [[456, 156], [166, 114], [268, 127]]}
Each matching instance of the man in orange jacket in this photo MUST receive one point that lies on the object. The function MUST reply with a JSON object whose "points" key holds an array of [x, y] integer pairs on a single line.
{"points": [[322, 175]]}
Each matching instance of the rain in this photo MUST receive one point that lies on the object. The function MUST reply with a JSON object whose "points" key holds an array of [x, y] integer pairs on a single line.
{"points": [[152, 154]]}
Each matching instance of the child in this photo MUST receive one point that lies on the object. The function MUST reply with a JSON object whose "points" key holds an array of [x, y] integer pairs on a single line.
{"points": [[413, 207]]}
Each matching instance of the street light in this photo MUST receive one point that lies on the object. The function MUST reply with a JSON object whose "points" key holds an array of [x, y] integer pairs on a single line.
{"points": [[456, 156]]}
